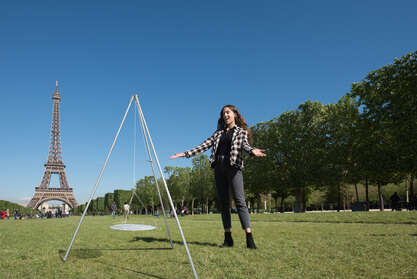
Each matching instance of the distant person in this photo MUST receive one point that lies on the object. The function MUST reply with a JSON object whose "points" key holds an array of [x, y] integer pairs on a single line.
{"points": [[413, 202], [114, 209], [228, 143], [126, 209], [395, 202], [8, 214]]}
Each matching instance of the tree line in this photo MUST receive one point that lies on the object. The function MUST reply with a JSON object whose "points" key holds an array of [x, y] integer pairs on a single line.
{"points": [[369, 137], [13, 207]]}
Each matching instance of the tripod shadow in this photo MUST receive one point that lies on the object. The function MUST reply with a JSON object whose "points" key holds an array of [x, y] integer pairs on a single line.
{"points": [[154, 239], [90, 253], [392, 234], [83, 253], [95, 253], [131, 270]]}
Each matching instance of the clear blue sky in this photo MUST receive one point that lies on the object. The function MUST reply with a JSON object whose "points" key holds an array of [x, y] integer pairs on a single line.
{"points": [[185, 59]]}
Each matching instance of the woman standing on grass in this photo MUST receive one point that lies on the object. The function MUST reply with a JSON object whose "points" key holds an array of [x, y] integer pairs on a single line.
{"points": [[231, 138]]}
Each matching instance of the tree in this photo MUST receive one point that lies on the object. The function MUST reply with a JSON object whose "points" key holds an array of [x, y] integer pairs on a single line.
{"points": [[146, 191], [202, 182], [297, 146], [263, 175], [121, 196], [179, 183], [108, 201], [341, 165]]}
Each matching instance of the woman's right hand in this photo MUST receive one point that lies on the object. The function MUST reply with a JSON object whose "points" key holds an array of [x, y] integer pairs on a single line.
{"points": [[176, 155]]}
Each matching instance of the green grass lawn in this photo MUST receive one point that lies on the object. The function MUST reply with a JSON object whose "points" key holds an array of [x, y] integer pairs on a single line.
{"points": [[309, 245]]}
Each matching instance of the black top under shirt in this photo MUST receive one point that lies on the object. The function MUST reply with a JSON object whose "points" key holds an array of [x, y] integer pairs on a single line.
{"points": [[225, 143]]}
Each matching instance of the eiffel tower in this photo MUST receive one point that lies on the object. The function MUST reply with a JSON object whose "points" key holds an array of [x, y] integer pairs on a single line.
{"points": [[54, 165]]}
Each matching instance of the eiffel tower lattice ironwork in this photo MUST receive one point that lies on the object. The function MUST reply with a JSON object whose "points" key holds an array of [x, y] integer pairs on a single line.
{"points": [[54, 165]]}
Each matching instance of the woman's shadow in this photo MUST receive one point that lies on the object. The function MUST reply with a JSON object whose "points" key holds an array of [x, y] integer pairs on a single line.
{"points": [[154, 239]]}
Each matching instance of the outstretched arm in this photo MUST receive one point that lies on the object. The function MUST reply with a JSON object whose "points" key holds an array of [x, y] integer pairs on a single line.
{"points": [[196, 150], [176, 155]]}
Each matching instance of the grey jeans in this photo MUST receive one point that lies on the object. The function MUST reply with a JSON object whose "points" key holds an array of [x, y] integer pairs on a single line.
{"points": [[230, 178]]}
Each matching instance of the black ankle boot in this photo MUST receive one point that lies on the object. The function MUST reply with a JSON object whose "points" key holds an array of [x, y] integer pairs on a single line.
{"points": [[250, 243], [228, 240]]}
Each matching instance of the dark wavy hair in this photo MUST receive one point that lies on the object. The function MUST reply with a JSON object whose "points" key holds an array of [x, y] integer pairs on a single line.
{"points": [[239, 120]]}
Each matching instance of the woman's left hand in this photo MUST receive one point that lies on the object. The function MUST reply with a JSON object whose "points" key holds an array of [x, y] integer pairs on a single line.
{"points": [[258, 152]]}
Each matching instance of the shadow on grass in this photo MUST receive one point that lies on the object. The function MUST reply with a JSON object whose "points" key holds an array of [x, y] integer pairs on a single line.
{"points": [[87, 253], [335, 222], [153, 239], [392, 234], [90, 253], [82, 253], [131, 270]]}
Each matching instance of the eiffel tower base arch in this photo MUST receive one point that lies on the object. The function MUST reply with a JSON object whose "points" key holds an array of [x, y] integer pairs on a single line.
{"points": [[45, 194]]}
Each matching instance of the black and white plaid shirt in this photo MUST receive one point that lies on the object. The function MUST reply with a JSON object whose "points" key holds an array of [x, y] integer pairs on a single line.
{"points": [[239, 143]]}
